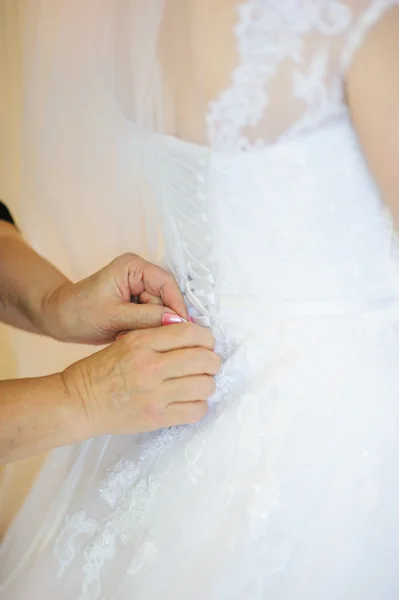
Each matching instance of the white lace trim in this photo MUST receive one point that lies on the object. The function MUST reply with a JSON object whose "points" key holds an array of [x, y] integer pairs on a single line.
{"points": [[129, 493], [129, 496]]}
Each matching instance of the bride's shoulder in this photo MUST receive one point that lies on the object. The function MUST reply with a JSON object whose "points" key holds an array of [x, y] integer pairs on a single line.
{"points": [[376, 34], [345, 23], [364, 17], [372, 73], [372, 90]]}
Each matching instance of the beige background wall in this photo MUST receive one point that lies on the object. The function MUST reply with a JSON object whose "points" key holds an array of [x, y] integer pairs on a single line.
{"points": [[16, 479], [10, 126]]}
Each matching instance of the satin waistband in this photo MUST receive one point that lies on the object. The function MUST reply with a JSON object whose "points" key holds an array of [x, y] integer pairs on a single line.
{"points": [[291, 309]]}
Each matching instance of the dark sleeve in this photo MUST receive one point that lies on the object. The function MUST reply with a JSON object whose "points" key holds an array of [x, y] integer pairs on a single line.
{"points": [[5, 214]]}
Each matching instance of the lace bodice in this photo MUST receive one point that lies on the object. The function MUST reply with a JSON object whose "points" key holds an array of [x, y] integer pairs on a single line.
{"points": [[293, 57], [284, 107], [279, 72]]}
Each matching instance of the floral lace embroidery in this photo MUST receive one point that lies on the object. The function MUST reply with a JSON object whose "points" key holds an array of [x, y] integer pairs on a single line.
{"points": [[271, 32], [129, 496], [267, 34]]}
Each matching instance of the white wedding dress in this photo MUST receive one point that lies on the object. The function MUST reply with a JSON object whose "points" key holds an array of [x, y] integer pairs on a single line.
{"points": [[276, 232]]}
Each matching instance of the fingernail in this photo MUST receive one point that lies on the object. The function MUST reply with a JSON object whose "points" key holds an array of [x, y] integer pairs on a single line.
{"points": [[191, 319], [171, 319]]}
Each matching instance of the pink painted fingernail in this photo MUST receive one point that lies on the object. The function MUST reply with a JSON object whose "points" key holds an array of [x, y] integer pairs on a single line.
{"points": [[191, 319], [171, 319]]}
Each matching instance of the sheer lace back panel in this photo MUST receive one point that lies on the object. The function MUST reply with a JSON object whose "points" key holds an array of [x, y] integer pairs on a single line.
{"points": [[240, 75]]}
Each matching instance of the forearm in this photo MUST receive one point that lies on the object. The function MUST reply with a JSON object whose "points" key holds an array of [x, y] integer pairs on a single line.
{"points": [[38, 415], [26, 282]]}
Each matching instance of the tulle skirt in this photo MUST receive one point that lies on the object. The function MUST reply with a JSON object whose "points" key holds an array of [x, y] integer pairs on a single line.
{"points": [[288, 489]]}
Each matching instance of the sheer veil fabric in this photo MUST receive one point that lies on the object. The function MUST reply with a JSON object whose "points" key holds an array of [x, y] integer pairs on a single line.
{"points": [[78, 154], [140, 113]]}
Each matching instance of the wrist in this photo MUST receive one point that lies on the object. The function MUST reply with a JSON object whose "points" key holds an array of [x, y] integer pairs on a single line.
{"points": [[40, 414], [75, 424], [53, 312], [76, 381]]}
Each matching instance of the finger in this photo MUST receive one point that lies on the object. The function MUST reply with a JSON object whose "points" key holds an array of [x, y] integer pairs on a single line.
{"points": [[159, 282], [173, 298], [185, 335], [147, 298], [188, 389], [139, 316], [144, 276], [185, 413], [187, 362]]}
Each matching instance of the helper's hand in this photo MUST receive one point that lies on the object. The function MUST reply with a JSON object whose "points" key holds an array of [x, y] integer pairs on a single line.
{"points": [[147, 380], [96, 309]]}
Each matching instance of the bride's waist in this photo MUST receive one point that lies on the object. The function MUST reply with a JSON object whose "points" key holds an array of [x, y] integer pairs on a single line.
{"points": [[260, 311], [262, 302], [297, 308]]}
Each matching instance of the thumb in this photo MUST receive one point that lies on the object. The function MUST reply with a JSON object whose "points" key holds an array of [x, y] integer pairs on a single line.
{"points": [[142, 316]]}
